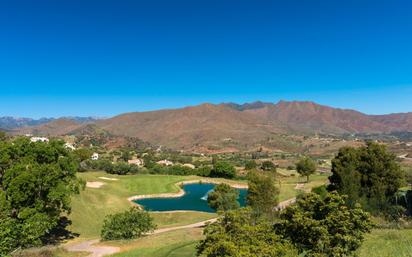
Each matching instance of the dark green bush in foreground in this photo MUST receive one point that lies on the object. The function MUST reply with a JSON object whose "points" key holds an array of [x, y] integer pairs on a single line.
{"points": [[130, 224]]}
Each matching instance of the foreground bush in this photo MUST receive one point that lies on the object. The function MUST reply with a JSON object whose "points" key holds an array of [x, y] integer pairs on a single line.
{"points": [[238, 234], [130, 224], [324, 226]]}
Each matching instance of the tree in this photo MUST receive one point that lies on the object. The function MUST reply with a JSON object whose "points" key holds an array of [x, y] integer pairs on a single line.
{"points": [[130, 224], [306, 167], [223, 198], [236, 233], [125, 155], [3, 136], [369, 175], [324, 226], [262, 193], [222, 169], [268, 166], [250, 165], [83, 154], [37, 180]]}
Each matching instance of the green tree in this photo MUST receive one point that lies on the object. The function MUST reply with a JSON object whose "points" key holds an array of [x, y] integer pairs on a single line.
{"points": [[223, 198], [83, 154], [222, 169], [250, 165], [3, 136], [369, 175], [130, 224], [262, 193], [268, 166], [306, 167], [324, 226], [125, 155], [37, 180], [236, 233]]}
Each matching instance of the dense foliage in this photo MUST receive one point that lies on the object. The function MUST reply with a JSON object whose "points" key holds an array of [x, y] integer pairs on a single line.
{"points": [[250, 165], [223, 198], [36, 182], [223, 169], [237, 233], [306, 167], [119, 168], [268, 166], [130, 224], [369, 175], [324, 226], [262, 194]]}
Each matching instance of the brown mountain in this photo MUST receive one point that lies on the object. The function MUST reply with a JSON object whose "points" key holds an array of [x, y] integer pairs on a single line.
{"points": [[204, 124], [210, 124]]}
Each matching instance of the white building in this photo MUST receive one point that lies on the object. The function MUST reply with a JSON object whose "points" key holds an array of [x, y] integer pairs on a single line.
{"points": [[69, 146], [39, 139], [189, 165], [95, 156], [138, 162], [165, 162]]}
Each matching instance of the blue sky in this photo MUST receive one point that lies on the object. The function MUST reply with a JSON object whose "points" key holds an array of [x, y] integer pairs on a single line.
{"points": [[101, 58]]}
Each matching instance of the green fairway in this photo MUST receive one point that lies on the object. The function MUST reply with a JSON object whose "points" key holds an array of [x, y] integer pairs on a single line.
{"points": [[93, 204], [288, 189], [387, 243]]}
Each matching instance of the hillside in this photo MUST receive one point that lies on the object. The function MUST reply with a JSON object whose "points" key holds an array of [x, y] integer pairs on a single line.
{"points": [[232, 124]]}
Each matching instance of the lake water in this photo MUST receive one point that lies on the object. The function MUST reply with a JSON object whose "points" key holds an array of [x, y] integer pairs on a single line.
{"points": [[195, 199]]}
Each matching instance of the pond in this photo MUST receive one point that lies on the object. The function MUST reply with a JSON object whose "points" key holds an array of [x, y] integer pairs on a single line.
{"points": [[194, 199]]}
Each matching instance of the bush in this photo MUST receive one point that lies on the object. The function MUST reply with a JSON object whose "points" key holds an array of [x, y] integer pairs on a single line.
{"points": [[130, 224], [324, 226], [223, 169]]}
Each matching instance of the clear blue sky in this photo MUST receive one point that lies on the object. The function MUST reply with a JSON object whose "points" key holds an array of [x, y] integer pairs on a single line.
{"points": [[101, 58]]}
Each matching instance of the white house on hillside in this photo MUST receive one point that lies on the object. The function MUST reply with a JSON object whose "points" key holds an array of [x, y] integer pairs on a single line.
{"points": [[95, 156], [165, 162], [39, 139], [69, 146], [138, 162]]}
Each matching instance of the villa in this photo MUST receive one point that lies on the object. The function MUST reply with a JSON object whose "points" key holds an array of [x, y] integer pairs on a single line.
{"points": [[165, 162], [39, 139], [138, 162]]}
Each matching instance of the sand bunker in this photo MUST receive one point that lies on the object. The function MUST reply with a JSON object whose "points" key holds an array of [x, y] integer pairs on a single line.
{"points": [[94, 184], [106, 178]]}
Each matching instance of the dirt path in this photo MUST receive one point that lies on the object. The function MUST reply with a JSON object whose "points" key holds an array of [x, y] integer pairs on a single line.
{"points": [[94, 250]]}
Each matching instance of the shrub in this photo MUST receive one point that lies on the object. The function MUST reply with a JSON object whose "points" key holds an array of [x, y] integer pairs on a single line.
{"points": [[324, 226], [222, 169], [130, 224]]}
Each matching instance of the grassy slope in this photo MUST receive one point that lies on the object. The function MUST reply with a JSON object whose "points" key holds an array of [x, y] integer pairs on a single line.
{"points": [[387, 243], [288, 184]]}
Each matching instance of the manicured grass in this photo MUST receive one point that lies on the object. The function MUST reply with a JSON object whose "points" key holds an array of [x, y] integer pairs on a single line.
{"points": [[179, 243], [93, 204], [387, 243], [287, 184]]}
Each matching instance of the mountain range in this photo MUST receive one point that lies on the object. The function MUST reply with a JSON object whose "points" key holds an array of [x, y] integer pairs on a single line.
{"points": [[208, 124]]}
